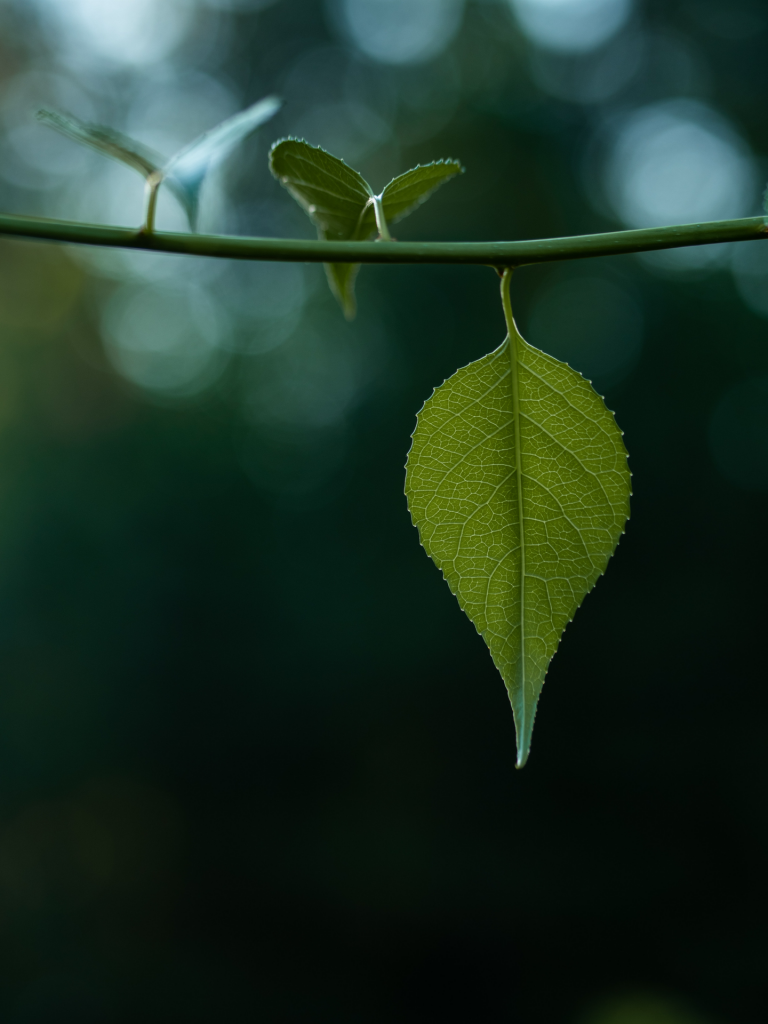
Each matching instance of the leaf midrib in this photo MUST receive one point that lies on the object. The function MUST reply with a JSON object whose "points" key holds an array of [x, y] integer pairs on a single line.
{"points": [[519, 489], [512, 341]]}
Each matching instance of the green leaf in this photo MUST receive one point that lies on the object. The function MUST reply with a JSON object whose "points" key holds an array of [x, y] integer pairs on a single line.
{"points": [[105, 140], [404, 193], [340, 202], [341, 280], [334, 196], [518, 483]]}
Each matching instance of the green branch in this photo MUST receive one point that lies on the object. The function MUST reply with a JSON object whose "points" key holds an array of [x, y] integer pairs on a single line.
{"points": [[497, 254]]}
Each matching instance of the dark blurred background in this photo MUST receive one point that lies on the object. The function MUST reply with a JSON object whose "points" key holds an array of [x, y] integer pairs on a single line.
{"points": [[255, 764]]}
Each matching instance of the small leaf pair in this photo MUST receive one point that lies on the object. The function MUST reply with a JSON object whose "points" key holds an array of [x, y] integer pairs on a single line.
{"points": [[343, 206], [185, 172]]}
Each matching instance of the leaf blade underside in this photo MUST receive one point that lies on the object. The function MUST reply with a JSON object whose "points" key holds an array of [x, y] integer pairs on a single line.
{"points": [[337, 199], [331, 192], [185, 172], [520, 499], [105, 140], [408, 191]]}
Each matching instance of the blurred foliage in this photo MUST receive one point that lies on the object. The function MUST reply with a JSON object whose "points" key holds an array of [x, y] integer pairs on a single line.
{"points": [[641, 1009], [255, 761]]}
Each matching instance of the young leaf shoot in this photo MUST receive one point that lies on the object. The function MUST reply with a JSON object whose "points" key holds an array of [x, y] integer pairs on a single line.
{"points": [[343, 206], [518, 483], [184, 172], [105, 140], [339, 202]]}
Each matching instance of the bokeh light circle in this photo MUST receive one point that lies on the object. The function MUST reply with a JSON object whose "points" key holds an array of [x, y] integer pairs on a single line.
{"points": [[166, 340], [401, 31], [127, 32], [571, 26], [678, 162]]}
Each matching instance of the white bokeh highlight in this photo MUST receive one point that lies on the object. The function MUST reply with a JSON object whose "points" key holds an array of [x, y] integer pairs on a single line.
{"points": [[571, 26], [679, 162], [167, 340], [117, 32], [401, 31]]}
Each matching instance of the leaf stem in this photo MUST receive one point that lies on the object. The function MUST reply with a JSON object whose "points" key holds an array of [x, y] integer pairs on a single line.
{"points": [[495, 254], [154, 181], [381, 220]]}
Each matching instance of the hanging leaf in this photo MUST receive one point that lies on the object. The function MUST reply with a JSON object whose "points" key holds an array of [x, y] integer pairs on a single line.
{"points": [[339, 201], [518, 483], [184, 172]]}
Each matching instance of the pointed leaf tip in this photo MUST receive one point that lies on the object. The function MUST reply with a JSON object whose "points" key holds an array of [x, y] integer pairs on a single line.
{"points": [[524, 714], [341, 280]]}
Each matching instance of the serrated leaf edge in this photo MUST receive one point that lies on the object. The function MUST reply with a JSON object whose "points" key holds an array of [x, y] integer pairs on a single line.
{"points": [[295, 138], [421, 167]]}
